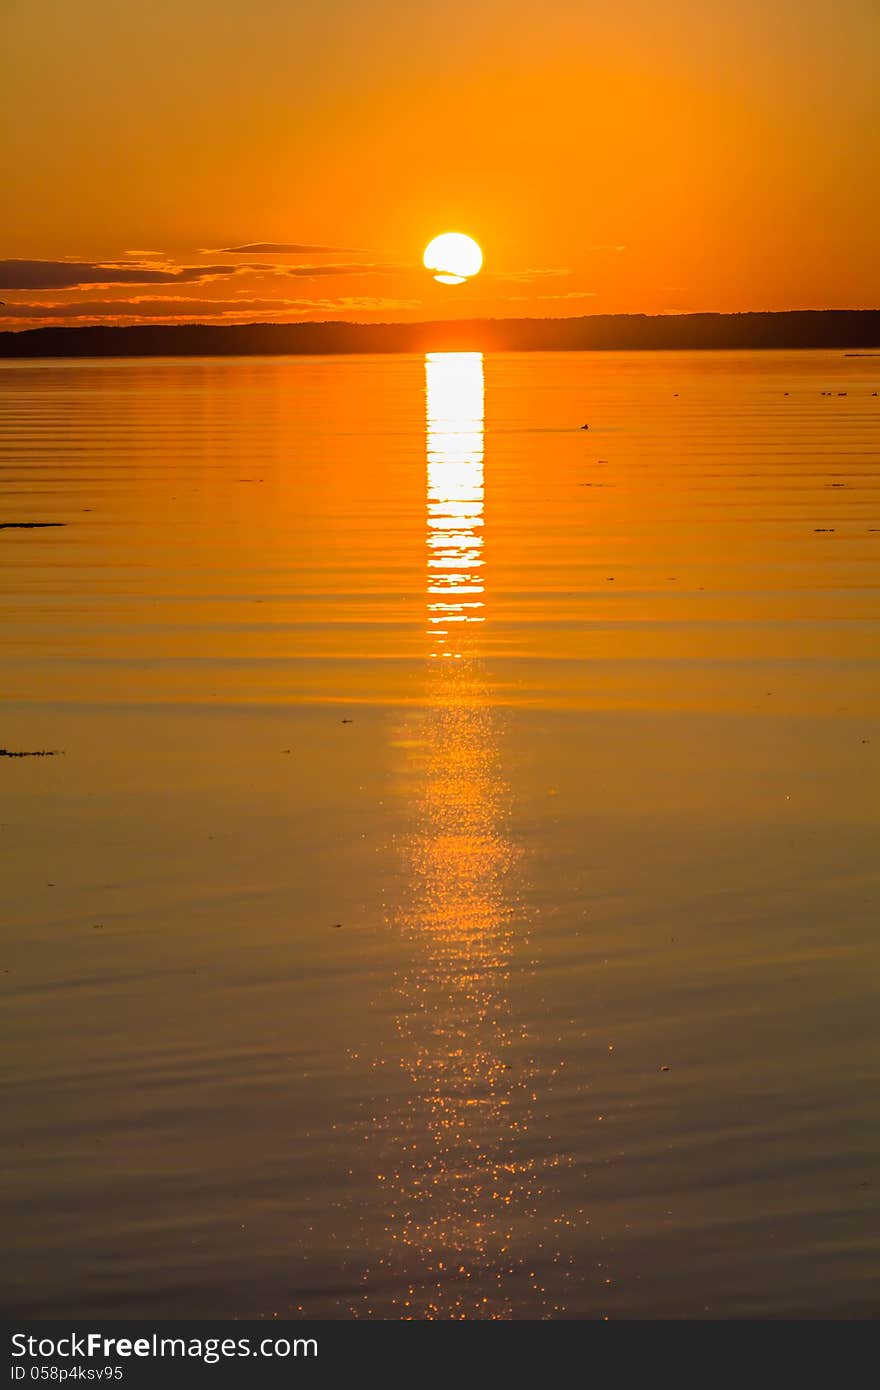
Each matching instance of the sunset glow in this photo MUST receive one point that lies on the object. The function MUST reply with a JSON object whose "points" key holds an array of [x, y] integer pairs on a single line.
{"points": [[608, 160]]}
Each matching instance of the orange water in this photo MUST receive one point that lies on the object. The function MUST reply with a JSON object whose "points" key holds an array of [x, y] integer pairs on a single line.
{"points": [[546, 985]]}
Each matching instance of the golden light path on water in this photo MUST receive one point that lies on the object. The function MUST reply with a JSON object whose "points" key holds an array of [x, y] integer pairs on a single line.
{"points": [[461, 1188], [456, 492]]}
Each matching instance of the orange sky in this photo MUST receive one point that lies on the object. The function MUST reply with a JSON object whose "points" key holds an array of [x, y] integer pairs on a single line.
{"points": [[652, 156]]}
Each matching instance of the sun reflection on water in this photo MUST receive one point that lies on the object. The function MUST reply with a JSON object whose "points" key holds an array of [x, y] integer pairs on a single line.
{"points": [[461, 1188], [454, 411]]}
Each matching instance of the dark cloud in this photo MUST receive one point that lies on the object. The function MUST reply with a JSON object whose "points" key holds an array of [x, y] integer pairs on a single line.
{"points": [[193, 309], [63, 275], [279, 248], [57, 275], [171, 306]]}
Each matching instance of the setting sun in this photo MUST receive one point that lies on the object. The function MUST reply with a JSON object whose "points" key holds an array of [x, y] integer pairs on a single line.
{"points": [[453, 258]]}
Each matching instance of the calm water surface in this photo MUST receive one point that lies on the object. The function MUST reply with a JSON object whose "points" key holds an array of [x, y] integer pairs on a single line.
{"points": [[457, 892]]}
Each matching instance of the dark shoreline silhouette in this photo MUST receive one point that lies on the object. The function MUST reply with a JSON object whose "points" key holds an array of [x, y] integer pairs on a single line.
{"points": [[810, 328]]}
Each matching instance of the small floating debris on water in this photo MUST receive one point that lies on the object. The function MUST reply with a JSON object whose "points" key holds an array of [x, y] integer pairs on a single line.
{"points": [[585, 427], [337, 926], [346, 721], [664, 1069], [37, 753], [97, 926], [28, 525], [823, 530]]}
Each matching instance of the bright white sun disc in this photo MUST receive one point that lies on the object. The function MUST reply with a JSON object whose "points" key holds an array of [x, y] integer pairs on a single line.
{"points": [[453, 258]]}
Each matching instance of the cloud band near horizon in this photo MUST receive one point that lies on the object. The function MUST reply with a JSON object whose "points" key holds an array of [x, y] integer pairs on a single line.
{"points": [[18, 274]]}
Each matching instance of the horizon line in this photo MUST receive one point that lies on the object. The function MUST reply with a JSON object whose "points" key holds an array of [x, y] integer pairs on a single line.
{"points": [[750, 329]]}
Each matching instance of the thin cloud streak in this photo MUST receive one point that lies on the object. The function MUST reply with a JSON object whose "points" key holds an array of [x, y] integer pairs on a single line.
{"points": [[536, 298], [279, 248], [525, 277], [569, 294], [347, 268]]}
